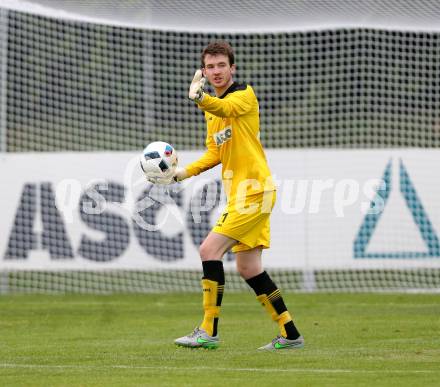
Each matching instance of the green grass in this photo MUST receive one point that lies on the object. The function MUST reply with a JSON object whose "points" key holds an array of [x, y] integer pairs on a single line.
{"points": [[127, 340]]}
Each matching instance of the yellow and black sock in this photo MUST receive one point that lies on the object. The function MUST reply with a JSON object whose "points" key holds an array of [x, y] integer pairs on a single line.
{"points": [[270, 297], [213, 283]]}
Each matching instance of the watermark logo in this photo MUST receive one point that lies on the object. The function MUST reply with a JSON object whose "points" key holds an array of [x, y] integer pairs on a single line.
{"points": [[294, 196]]}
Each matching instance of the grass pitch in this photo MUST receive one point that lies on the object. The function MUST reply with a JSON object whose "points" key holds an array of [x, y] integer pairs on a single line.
{"points": [[127, 340]]}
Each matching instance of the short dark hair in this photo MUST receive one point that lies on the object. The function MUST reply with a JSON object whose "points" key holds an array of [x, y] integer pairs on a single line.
{"points": [[219, 47]]}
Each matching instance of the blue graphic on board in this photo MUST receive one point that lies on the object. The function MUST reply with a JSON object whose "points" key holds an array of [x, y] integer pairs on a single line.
{"points": [[416, 209]]}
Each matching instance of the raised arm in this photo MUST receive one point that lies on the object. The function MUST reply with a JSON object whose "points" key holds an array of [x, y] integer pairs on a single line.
{"points": [[237, 104]]}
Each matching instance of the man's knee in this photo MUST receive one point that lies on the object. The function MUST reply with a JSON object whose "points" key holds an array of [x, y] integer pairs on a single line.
{"points": [[248, 263], [248, 269], [204, 250], [215, 246], [209, 251], [242, 269]]}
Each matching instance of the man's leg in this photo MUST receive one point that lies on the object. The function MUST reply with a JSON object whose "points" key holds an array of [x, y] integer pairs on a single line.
{"points": [[211, 252], [250, 268]]}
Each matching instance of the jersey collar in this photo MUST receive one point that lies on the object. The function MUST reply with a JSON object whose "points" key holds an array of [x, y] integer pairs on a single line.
{"points": [[234, 87]]}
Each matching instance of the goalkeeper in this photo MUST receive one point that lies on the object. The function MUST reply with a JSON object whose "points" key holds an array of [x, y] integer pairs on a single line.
{"points": [[232, 139]]}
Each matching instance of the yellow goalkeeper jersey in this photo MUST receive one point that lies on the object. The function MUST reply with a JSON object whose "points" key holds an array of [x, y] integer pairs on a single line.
{"points": [[233, 139]]}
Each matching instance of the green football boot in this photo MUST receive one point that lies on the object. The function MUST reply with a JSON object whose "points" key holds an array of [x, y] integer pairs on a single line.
{"points": [[280, 343], [198, 339]]}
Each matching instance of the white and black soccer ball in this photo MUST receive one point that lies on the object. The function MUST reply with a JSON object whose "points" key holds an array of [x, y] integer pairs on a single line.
{"points": [[159, 162]]}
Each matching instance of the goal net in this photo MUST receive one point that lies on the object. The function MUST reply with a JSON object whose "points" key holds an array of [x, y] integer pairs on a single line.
{"points": [[350, 119]]}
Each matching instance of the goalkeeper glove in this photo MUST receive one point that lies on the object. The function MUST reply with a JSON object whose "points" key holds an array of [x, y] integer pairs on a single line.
{"points": [[196, 89], [180, 174], [160, 180]]}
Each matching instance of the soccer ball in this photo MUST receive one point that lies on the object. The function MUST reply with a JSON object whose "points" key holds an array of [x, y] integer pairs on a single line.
{"points": [[159, 162]]}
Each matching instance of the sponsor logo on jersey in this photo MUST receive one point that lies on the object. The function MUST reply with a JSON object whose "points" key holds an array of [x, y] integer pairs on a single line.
{"points": [[221, 137]]}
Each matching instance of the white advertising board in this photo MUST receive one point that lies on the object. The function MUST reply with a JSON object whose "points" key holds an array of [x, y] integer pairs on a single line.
{"points": [[323, 218]]}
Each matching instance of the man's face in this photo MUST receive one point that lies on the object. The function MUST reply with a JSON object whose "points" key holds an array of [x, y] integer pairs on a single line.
{"points": [[218, 71]]}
